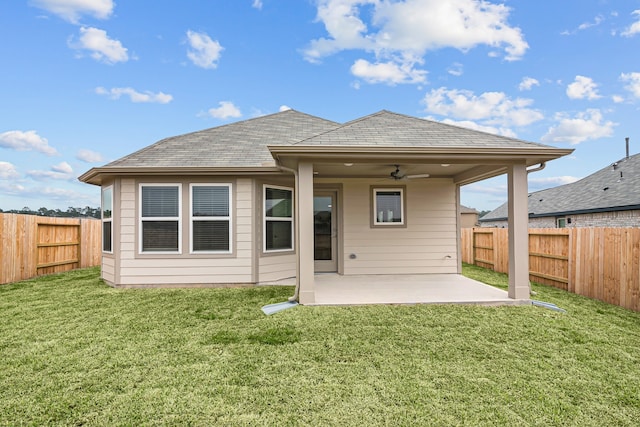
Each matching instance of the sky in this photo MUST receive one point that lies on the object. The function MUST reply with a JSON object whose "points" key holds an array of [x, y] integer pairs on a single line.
{"points": [[85, 82]]}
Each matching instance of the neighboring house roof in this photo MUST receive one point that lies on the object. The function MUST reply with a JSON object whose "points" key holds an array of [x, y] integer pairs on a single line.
{"points": [[262, 144], [613, 188]]}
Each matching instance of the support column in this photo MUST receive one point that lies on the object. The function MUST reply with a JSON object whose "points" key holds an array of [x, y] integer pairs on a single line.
{"points": [[519, 286], [304, 217]]}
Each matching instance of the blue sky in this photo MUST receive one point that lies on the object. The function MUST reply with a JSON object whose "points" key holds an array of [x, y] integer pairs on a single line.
{"points": [[85, 82]]}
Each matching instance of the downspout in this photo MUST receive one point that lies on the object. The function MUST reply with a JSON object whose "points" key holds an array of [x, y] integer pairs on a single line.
{"points": [[296, 292], [536, 169]]}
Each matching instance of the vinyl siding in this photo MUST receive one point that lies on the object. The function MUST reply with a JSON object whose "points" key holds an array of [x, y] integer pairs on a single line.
{"points": [[108, 269], [186, 268], [276, 267], [426, 245]]}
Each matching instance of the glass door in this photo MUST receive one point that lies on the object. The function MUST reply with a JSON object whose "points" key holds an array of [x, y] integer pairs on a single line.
{"points": [[325, 231]]}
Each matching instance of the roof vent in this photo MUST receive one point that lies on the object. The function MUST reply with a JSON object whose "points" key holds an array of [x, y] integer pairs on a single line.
{"points": [[605, 188]]}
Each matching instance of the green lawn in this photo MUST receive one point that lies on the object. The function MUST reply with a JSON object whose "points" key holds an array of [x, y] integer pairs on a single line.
{"points": [[74, 351]]}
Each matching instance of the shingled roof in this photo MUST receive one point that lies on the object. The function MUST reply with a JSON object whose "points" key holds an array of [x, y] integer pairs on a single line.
{"points": [[386, 128], [249, 146], [240, 144], [613, 188]]}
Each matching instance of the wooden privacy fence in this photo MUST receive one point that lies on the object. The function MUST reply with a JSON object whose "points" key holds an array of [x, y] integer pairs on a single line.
{"points": [[32, 245], [601, 263]]}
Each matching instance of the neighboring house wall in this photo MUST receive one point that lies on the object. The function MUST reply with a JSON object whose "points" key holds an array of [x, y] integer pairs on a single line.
{"points": [[426, 245], [601, 219], [468, 220]]}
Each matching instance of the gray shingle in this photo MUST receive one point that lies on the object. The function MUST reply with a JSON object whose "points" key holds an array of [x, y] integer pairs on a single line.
{"points": [[608, 188], [391, 129], [240, 144]]}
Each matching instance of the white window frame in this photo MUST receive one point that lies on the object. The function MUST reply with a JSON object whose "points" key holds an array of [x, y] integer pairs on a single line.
{"points": [[375, 221], [163, 218], [283, 219], [106, 220], [210, 218]]}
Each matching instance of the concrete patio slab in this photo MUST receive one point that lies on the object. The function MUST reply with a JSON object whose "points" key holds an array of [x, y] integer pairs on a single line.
{"points": [[334, 289]]}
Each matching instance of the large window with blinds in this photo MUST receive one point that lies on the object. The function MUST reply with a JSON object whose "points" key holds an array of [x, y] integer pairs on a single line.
{"points": [[211, 218], [160, 221], [388, 206], [278, 219]]}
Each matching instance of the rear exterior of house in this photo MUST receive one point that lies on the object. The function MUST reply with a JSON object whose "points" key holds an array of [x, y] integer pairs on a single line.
{"points": [[289, 195], [261, 248]]}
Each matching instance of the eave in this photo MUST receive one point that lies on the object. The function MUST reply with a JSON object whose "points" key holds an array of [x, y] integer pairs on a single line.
{"points": [[95, 176]]}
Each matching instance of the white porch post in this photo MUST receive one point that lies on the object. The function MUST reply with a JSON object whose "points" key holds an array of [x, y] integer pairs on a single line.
{"points": [[304, 216], [519, 287]]}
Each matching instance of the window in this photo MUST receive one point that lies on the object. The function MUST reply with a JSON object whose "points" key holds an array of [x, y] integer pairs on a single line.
{"points": [[160, 218], [278, 219], [561, 222], [388, 206], [211, 218], [107, 220]]}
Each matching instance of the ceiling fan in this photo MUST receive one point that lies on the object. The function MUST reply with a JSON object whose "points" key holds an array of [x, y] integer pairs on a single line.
{"points": [[398, 175]]}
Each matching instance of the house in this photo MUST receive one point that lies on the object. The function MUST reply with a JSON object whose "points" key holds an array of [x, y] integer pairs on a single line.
{"points": [[292, 195], [468, 217], [609, 197]]}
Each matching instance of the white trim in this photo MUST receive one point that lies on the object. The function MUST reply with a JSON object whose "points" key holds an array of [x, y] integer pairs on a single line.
{"points": [[109, 220], [375, 206], [265, 218], [150, 219], [210, 218]]}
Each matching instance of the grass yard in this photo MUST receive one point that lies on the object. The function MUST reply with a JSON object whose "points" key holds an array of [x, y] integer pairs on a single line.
{"points": [[74, 351]]}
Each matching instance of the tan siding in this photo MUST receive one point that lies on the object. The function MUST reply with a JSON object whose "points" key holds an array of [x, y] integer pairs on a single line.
{"points": [[277, 267], [186, 269], [428, 243], [108, 269]]}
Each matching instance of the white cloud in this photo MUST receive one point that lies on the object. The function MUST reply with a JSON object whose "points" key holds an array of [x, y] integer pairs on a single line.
{"points": [[634, 83], [225, 111], [584, 126], [284, 108], [8, 171], [583, 88], [475, 126], [26, 141], [617, 99], [527, 83], [404, 31], [102, 48], [387, 72], [257, 4], [492, 108], [134, 95], [62, 171], [204, 52], [89, 156], [456, 69], [633, 28], [72, 10]]}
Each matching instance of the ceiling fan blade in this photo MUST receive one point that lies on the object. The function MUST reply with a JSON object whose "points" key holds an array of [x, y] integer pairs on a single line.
{"points": [[416, 176]]}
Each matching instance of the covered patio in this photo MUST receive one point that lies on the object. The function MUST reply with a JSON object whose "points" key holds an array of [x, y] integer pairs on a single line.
{"points": [[336, 289]]}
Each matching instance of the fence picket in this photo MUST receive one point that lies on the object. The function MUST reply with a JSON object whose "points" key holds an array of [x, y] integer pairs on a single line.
{"points": [[31, 245], [600, 263]]}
